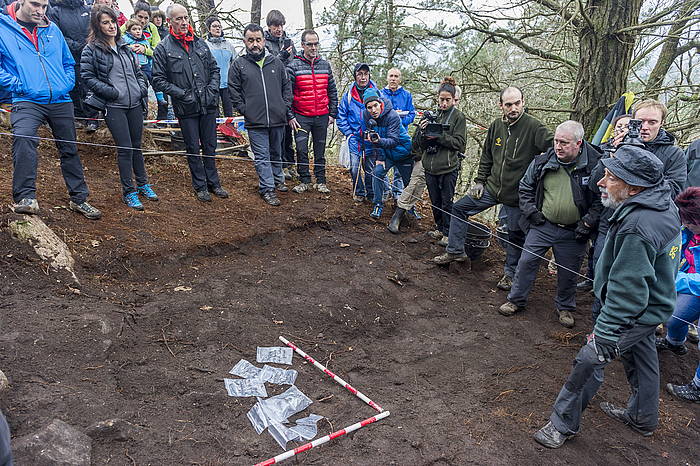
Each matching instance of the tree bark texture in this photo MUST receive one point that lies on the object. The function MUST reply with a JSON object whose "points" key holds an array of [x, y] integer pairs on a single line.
{"points": [[255, 11], [308, 15], [604, 59]]}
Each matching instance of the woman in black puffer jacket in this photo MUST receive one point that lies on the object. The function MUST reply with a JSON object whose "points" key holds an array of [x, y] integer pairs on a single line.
{"points": [[117, 86]]}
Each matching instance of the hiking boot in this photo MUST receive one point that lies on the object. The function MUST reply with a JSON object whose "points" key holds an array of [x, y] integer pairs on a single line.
{"points": [[584, 285], [287, 175], [414, 213], [220, 192], [444, 241], [446, 258], [203, 195], [550, 437], [281, 187], [91, 127], [566, 318], [322, 188], [132, 200], [689, 392], [619, 414], [505, 283], [395, 221], [301, 187], [435, 234], [693, 334], [86, 209], [271, 198], [377, 211], [662, 344], [508, 309], [359, 199], [147, 190], [27, 206]]}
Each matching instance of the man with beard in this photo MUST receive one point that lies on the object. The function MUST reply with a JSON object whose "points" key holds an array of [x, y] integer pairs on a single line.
{"points": [[634, 280], [184, 68], [261, 92], [512, 141]]}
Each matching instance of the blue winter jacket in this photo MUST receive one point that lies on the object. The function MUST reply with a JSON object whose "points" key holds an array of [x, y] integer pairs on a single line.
{"points": [[402, 100], [688, 283], [43, 74], [394, 141], [350, 110]]}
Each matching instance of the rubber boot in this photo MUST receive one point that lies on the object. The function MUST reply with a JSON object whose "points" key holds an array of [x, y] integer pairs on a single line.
{"points": [[395, 221]]}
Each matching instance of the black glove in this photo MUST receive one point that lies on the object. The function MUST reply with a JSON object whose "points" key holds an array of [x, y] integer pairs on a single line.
{"points": [[607, 350], [537, 219], [583, 231], [417, 156]]}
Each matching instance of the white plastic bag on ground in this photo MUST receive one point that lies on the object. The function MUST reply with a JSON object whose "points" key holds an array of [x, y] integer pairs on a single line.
{"points": [[344, 154]]}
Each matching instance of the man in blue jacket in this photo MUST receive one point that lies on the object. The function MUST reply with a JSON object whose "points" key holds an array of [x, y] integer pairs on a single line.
{"points": [[350, 123], [37, 68]]}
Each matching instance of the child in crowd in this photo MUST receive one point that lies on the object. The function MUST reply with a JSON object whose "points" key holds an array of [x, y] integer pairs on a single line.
{"points": [[137, 39]]}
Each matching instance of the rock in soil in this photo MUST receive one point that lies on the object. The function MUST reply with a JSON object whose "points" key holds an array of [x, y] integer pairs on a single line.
{"points": [[56, 444]]}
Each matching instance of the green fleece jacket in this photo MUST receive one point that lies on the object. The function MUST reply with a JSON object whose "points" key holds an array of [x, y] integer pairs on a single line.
{"points": [[450, 144], [508, 150], [635, 275]]}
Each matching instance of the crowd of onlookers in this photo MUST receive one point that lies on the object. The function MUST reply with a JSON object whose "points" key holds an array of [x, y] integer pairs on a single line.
{"points": [[632, 204]]}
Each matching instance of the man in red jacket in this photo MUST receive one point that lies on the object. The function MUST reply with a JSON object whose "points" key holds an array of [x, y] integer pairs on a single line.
{"points": [[315, 107]]}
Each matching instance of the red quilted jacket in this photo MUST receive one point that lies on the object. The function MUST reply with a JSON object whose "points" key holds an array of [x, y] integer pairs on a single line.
{"points": [[314, 88]]}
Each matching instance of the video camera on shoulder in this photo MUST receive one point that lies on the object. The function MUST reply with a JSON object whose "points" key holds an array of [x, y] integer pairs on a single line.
{"points": [[434, 129], [372, 133]]}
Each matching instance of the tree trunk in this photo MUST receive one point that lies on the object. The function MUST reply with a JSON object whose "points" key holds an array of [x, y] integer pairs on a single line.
{"points": [[308, 15], [669, 51], [604, 59], [255, 11]]}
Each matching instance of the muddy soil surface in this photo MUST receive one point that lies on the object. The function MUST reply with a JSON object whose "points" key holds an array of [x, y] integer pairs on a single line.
{"points": [[173, 297]]}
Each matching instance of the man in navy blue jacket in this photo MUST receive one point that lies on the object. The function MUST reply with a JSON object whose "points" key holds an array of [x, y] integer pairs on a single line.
{"points": [[37, 68]]}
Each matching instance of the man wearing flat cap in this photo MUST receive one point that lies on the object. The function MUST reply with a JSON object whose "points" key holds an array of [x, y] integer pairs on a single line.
{"points": [[634, 280]]}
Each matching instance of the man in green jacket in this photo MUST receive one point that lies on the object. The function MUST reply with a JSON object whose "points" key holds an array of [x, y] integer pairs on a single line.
{"points": [[635, 281], [512, 142]]}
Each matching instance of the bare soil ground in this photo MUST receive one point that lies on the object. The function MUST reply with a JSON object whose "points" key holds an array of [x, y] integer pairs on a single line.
{"points": [[464, 384]]}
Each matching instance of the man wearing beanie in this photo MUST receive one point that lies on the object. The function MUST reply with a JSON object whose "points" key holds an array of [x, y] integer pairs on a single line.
{"points": [[634, 279], [350, 124]]}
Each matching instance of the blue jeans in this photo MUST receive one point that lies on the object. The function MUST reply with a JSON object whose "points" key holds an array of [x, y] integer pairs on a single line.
{"points": [[267, 149], [688, 309], [362, 185], [404, 168]]}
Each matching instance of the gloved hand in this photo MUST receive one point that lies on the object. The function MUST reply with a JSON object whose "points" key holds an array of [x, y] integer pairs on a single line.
{"points": [[606, 349], [476, 190], [582, 232], [417, 156], [537, 218]]}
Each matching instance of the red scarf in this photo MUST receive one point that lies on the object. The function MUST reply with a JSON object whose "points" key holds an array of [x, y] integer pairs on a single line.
{"points": [[185, 39]]}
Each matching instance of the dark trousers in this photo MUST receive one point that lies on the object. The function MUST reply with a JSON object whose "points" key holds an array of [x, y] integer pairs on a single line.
{"points": [[266, 144], [641, 364], [79, 94], [200, 132], [162, 113], [226, 104], [441, 189], [568, 253], [468, 206], [5, 451], [402, 168], [317, 128], [126, 126], [26, 118], [288, 159]]}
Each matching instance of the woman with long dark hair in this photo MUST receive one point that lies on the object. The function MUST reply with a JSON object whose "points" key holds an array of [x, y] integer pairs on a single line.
{"points": [[117, 86]]}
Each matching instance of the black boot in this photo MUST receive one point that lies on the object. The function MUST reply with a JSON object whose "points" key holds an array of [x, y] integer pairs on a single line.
{"points": [[395, 222]]}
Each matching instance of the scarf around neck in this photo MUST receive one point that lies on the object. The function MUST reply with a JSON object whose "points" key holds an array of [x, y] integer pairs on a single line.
{"points": [[185, 39]]}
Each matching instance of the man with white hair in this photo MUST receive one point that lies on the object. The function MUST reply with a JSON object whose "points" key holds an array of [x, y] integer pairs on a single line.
{"points": [[559, 211]]}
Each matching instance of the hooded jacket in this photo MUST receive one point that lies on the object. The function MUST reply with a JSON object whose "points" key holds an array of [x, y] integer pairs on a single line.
{"points": [[508, 150], [449, 146], [394, 143], [350, 111], [73, 19], [635, 275], [587, 201], [191, 77], [40, 69], [262, 95], [277, 47], [693, 156], [224, 53], [314, 89], [402, 100], [675, 163]]}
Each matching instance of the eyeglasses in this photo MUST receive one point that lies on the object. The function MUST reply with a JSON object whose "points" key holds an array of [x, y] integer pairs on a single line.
{"points": [[311, 44]]}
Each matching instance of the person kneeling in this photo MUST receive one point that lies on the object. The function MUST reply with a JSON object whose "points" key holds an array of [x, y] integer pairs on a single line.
{"points": [[387, 142]]}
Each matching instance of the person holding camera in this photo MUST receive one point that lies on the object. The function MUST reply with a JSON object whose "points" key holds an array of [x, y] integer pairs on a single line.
{"points": [[387, 142], [559, 211], [439, 141]]}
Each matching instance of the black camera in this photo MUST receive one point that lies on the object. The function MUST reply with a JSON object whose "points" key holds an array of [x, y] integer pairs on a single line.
{"points": [[434, 129], [633, 136], [372, 133]]}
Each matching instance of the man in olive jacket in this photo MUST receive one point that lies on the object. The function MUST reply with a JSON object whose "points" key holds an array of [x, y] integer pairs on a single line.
{"points": [[635, 281], [512, 141], [184, 68]]}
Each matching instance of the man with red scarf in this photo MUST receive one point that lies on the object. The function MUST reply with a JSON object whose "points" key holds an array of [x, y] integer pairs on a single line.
{"points": [[184, 68]]}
